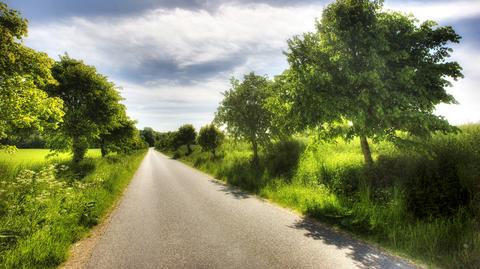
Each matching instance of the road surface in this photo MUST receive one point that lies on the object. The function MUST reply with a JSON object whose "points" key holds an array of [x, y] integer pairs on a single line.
{"points": [[173, 216]]}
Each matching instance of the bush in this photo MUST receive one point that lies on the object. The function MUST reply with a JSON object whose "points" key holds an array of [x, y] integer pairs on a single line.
{"points": [[282, 157], [210, 138]]}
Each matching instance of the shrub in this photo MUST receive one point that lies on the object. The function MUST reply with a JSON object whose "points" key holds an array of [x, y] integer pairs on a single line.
{"points": [[186, 136], [210, 138], [282, 157]]}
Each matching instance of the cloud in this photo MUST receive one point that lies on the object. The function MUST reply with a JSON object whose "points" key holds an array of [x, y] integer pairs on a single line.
{"points": [[464, 90], [174, 60], [437, 10], [178, 44]]}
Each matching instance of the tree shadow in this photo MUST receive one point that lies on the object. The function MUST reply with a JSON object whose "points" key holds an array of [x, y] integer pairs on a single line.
{"points": [[231, 190], [365, 256]]}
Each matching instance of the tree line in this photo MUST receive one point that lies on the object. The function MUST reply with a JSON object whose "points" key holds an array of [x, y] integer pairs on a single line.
{"points": [[365, 72], [209, 138], [67, 102]]}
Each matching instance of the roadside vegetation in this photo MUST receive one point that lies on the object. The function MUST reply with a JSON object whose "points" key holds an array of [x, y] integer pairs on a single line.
{"points": [[348, 135], [422, 206], [66, 108], [45, 206]]}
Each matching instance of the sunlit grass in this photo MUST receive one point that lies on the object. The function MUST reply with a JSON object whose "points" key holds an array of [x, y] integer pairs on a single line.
{"points": [[329, 181], [32, 156], [42, 212]]}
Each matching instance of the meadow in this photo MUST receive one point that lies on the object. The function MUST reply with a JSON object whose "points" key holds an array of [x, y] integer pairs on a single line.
{"points": [[421, 202], [46, 204]]}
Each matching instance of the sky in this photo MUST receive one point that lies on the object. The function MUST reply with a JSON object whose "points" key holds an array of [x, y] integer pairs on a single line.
{"points": [[172, 59]]}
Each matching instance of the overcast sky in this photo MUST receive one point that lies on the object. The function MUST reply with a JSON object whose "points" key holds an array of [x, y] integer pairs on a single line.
{"points": [[173, 58]]}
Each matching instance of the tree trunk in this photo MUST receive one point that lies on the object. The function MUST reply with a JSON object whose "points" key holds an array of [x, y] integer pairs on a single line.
{"points": [[79, 147], [367, 155], [103, 148], [189, 150], [255, 152], [214, 154]]}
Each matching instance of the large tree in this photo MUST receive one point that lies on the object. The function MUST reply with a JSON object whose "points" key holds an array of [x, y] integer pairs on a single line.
{"points": [[24, 73], [91, 105], [371, 74], [244, 111]]}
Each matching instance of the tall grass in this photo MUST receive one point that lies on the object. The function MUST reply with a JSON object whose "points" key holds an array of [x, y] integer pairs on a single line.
{"points": [[419, 202], [46, 206]]}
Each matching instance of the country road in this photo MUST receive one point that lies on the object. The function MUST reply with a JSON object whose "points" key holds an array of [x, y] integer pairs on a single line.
{"points": [[173, 216]]}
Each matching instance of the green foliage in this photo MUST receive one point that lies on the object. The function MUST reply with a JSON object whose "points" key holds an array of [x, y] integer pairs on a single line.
{"points": [[166, 141], [210, 138], [382, 72], [43, 210], [244, 111], [24, 73], [92, 105], [185, 135], [148, 135], [281, 158], [123, 137]]}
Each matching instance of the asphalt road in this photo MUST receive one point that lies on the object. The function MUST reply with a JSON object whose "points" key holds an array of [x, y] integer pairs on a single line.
{"points": [[173, 216]]}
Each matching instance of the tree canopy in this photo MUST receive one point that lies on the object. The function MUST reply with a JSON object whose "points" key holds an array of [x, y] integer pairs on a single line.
{"points": [[210, 138], [91, 103], [244, 111], [24, 73], [370, 73], [186, 135], [148, 135]]}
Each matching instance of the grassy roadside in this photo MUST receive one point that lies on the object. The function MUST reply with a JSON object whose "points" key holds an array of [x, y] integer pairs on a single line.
{"points": [[46, 206], [407, 209]]}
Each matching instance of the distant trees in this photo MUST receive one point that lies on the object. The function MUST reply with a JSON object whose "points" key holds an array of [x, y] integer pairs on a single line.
{"points": [[186, 135], [370, 74], [148, 135], [244, 111], [24, 74], [123, 137], [210, 138], [91, 105], [166, 141]]}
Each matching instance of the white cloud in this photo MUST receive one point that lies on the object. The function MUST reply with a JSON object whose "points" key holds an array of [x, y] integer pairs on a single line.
{"points": [[437, 11], [466, 91]]}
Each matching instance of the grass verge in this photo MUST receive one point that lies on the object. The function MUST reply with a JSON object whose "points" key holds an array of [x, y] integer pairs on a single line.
{"points": [[47, 206], [421, 205]]}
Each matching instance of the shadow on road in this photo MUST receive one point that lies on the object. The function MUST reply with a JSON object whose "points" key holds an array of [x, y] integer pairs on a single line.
{"points": [[365, 256], [231, 190]]}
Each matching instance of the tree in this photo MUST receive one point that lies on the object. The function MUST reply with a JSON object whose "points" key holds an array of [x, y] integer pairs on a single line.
{"points": [[371, 74], [244, 111], [91, 105], [186, 135], [148, 135], [122, 138], [166, 141], [210, 138], [24, 73]]}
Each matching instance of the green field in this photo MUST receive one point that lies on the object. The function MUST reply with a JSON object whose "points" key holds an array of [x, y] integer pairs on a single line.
{"points": [[31, 156], [421, 202], [48, 204]]}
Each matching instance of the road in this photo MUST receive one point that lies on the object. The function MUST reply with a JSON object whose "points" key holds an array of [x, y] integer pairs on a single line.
{"points": [[173, 216]]}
